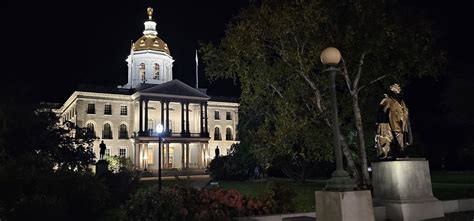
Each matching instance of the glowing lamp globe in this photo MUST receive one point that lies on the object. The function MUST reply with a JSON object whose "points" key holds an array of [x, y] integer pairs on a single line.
{"points": [[330, 56], [159, 128]]}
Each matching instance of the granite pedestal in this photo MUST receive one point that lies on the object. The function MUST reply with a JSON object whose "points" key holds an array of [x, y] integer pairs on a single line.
{"points": [[344, 206], [101, 167], [403, 186]]}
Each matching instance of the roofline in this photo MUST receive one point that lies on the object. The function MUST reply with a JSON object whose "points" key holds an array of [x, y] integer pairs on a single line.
{"points": [[77, 94]]}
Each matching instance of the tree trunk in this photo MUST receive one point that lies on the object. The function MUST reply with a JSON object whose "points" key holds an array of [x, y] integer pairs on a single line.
{"points": [[360, 133], [349, 159]]}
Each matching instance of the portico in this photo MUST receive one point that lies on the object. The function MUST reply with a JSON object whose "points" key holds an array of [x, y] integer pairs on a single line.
{"points": [[182, 111]]}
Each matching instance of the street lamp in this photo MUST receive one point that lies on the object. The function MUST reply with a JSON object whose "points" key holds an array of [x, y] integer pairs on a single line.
{"points": [[340, 179], [159, 130]]}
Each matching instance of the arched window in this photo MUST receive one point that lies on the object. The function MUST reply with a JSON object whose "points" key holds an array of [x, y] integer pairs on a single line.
{"points": [[107, 132], [123, 133], [90, 130], [228, 134], [141, 71], [156, 71], [217, 134]]}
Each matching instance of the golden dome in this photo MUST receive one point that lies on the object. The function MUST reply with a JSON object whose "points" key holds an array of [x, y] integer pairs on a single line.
{"points": [[151, 43]]}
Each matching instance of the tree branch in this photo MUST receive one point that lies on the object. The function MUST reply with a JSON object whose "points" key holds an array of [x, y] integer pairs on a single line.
{"points": [[276, 90], [346, 75], [359, 72], [378, 79]]}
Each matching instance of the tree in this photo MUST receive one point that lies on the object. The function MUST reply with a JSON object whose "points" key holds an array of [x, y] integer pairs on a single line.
{"points": [[273, 49], [44, 168]]}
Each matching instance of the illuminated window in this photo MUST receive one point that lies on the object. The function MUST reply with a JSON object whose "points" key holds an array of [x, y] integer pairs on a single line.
{"points": [[123, 110], [108, 109], [90, 130], [156, 71], [123, 133], [149, 156], [107, 132], [142, 71], [228, 134], [217, 134], [91, 108]]}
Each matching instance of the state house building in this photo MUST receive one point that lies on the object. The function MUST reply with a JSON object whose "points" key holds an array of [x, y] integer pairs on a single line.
{"points": [[126, 118]]}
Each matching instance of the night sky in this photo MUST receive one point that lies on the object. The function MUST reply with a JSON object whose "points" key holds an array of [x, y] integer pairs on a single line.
{"points": [[53, 46], [50, 47]]}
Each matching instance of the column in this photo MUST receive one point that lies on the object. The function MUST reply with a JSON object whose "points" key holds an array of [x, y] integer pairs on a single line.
{"points": [[201, 118], [164, 164], [187, 118], [145, 152], [205, 118], [140, 121], [168, 156], [146, 118], [208, 152], [182, 156], [187, 155], [162, 114], [167, 116], [137, 154], [200, 153], [183, 130]]}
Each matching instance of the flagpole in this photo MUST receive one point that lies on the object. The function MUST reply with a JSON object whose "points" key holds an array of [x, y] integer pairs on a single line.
{"points": [[131, 63], [197, 76]]}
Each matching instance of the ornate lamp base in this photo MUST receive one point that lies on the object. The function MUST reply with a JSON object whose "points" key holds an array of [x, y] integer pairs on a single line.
{"points": [[341, 181]]}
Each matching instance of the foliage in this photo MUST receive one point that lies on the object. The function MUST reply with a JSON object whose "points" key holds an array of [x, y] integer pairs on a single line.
{"points": [[44, 167], [273, 47], [117, 163], [49, 195], [121, 185], [184, 203], [238, 165]]}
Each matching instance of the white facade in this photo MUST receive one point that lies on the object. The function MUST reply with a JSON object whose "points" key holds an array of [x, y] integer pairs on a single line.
{"points": [[192, 131]]}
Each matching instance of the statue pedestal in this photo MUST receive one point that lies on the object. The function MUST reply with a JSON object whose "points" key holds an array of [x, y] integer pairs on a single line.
{"points": [[101, 167], [404, 188], [344, 206]]}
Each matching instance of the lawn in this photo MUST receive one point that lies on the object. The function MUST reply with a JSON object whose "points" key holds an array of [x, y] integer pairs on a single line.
{"points": [[446, 186], [304, 191]]}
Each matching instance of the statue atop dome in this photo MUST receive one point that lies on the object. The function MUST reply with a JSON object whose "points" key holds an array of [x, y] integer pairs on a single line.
{"points": [[149, 11]]}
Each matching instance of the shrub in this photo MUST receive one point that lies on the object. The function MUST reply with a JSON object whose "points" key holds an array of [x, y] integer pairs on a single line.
{"points": [[152, 204], [121, 185], [57, 196], [181, 203], [238, 165]]}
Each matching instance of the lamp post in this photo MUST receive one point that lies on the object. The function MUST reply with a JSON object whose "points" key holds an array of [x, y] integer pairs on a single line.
{"points": [[340, 179], [159, 130]]}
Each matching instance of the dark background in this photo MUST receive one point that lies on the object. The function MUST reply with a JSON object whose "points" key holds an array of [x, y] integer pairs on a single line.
{"points": [[50, 47]]}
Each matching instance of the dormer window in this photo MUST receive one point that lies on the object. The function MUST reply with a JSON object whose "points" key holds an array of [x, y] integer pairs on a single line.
{"points": [[156, 71], [155, 43], [142, 43]]}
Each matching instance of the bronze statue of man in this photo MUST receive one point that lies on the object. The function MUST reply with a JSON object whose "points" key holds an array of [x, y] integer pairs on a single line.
{"points": [[393, 133]]}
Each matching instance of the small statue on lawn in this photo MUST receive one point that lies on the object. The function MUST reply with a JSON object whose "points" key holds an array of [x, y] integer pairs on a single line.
{"points": [[393, 131]]}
